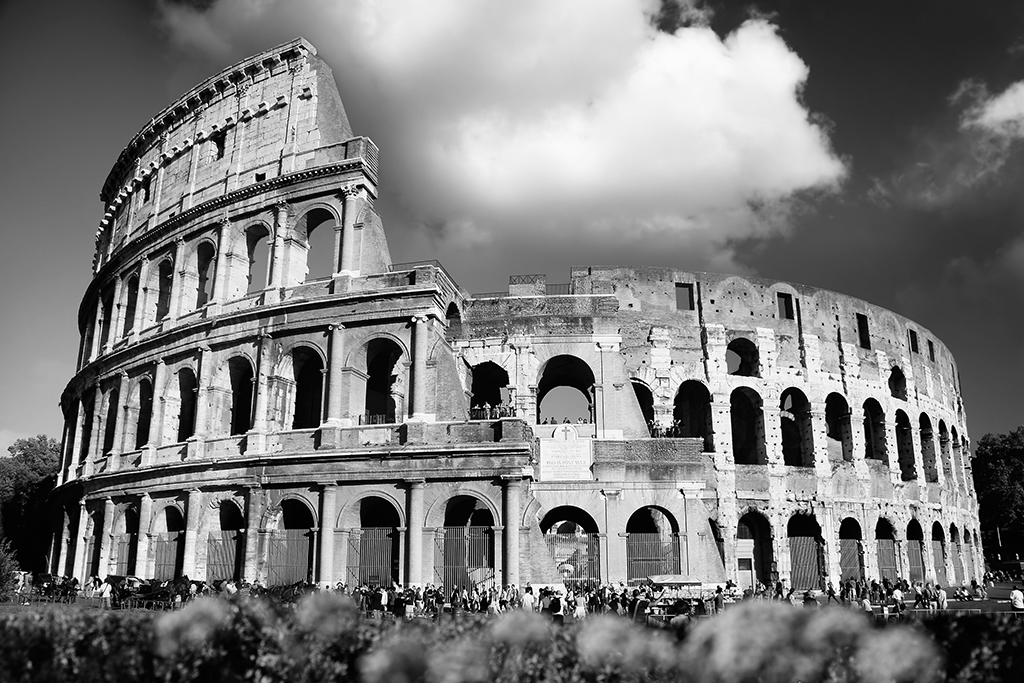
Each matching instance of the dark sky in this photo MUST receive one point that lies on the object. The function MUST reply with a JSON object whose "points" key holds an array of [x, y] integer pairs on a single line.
{"points": [[868, 147]]}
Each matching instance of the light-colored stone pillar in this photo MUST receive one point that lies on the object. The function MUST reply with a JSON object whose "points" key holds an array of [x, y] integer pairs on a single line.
{"points": [[334, 375], [106, 537], [420, 339], [79, 445], [80, 561], [142, 542], [205, 382], [156, 418], [178, 278], [353, 203], [328, 512], [116, 321], [512, 491], [142, 301], [192, 515], [278, 260], [220, 281], [499, 563], [122, 405], [414, 524], [256, 442], [63, 542], [254, 508], [97, 329], [96, 435]]}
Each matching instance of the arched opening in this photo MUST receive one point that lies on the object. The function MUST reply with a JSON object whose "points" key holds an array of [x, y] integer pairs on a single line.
{"points": [[931, 472], [565, 391], [797, 432], [806, 553], [206, 265], [491, 397], [885, 541], [755, 560], [956, 555], [898, 384], [692, 413], [319, 228], [747, 419], [645, 399], [574, 544], [915, 551], [716, 535], [453, 322], [127, 538], [939, 554], [465, 547], [382, 401], [131, 302], [840, 430], [110, 420], [225, 547], [851, 553], [169, 544], [944, 453], [968, 556], [956, 456], [88, 403], [905, 447], [257, 245], [652, 544], [373, 551], [741, 358], [241, 377], [308, 372], [187, 388], [93, 543], [107, 315], [291, 546], [874, 432], [145, 415], [164, 280]]}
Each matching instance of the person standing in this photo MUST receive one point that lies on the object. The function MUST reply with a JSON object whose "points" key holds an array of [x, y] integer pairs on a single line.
{"points": [[1017, 600], [941, 597]]}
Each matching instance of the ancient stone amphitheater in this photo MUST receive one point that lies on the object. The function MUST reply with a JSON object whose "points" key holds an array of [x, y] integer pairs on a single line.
{"points": [[263, 394]]}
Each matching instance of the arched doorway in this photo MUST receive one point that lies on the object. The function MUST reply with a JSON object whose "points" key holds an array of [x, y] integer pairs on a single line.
{"points": [[956, 555], [319, 228], [645, 399], [308, 372], [491, 397], [905, 447], [885, 540], [851, 555], [187, 388], [127, 539], [840, 431], [931, 471], [755, 559], [374, 548], [225, 546], [939, 554], [382, 403], [898, 384], [741, 358], [795, 426], [692, 413], [806, 552], [652, 544], [874, 431], [240, 375], [915, 551], [145, 415], [291, 546], [257, 248], [110, 421], [573, 542], [565, 391], [747, 419], [168, 544], [464, 550]]}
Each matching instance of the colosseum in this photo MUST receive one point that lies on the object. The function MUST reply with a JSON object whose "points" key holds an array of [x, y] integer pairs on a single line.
{"points": [[262, 394]]}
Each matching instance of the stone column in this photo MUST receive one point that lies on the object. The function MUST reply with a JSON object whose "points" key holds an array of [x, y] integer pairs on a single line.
{"points": [[205, 380], [421, 331], [254, 508], [156, 417], [349, 262], [341, 552], [106, 537], [499, 564], [614, 551], [414, 524], [220, 270], [95, 436], [328, 512], [179, 273], [256, 442], [79, 568], [63, 541], [512, 490], [192, 514], [142, 541], [116, 310], [277, 274], [78, 446], [122, 405], [334, 385], [97, 329], [142, 300]]}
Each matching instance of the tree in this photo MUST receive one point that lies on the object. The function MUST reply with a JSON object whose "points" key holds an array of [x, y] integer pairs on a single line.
{"points": [[26, 479], [999, 480]]}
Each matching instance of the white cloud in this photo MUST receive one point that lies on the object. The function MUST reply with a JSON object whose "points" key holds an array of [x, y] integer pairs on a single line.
{"points": [[564, 120], [1002, 114]]}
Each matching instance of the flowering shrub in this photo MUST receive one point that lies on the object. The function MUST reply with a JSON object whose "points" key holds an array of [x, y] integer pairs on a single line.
{"points": [[325, 639]]}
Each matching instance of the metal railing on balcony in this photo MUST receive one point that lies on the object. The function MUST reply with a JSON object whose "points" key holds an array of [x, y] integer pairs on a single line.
{"points": [[491, 412]]}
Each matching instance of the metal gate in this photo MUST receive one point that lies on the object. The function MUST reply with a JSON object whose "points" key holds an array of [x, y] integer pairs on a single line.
{"points": [[805, 558], [649, 555], [464, 557], [92, 560], [887, 568], [289, 556], [577, 558], [126, 547], [915, 555], [223, 556], [851, 565], [373, 556], [958, 568], [169, 549], [939, 555]]}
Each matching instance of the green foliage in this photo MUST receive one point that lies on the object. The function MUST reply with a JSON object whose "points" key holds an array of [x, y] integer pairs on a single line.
{"points": [[999, 480], [979, 648], [26, 479], [8, 565]]}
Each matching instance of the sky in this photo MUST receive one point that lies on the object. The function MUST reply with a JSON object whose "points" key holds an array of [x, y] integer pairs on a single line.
{"points": [[873, 148]]}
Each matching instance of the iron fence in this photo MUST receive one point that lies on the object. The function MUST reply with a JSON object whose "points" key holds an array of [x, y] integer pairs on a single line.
{"points": [[373, 556], [577, 557], [651, 554], [464, 557]]}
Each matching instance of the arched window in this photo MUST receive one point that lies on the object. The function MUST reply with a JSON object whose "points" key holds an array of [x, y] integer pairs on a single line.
{"points": [[382, 401], [206, 266], [652, 544], [574, 544], [931, 472], [944, 453], [241, 377], [939, 553], [88, 403], [491, 398], [806, 552], [874, 431], [107, 314], [257, 244], [110, 420], [126, 537], [374, 548], [905, 447], [453, 322], [308, 371], [225, 550], [898, 384], [131, 301], [565, 391], [169, 544], [851, 557], [692, 413], [747, 419], [742, 358], [840, 431], [164, 280], [318, 227], [645, 399], [885, 540], [915, 551], [797, 432], [754, 555], [187, 388], [290, 547], [145, 393], [466, 559]]}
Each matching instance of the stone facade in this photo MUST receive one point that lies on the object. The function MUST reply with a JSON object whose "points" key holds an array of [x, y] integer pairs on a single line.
{"points": [[237, 414]]}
